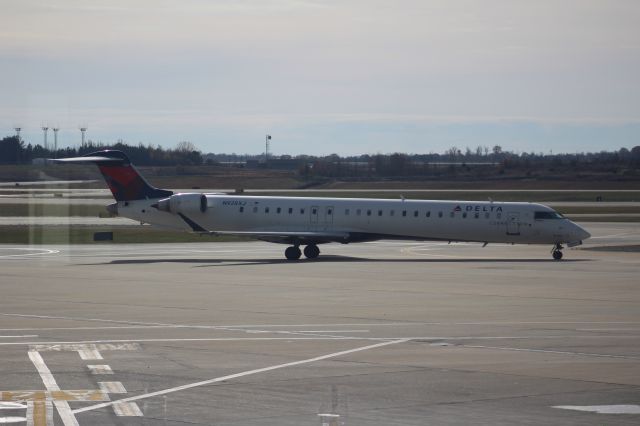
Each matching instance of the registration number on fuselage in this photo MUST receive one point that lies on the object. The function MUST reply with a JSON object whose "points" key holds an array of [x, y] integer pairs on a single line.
{"points": [[234, 203]]}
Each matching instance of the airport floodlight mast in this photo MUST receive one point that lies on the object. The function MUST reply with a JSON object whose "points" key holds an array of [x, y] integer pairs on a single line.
{"points": [[83, 130], [55, 141], [45, 129], [267, 138], [18, 129]]}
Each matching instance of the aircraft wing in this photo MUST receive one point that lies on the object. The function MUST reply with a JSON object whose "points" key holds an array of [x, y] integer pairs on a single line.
{"points": [[289, 236]]}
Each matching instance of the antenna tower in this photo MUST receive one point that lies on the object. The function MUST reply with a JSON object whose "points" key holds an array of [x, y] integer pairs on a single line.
{"points": [[18, 129]]}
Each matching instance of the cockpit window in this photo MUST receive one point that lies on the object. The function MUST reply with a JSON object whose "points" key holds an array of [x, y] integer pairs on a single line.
{"points": [[547, 215]]}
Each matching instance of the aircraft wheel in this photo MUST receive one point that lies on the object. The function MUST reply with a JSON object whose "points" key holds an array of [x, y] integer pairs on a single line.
{"points": [[557, 254], [311, 251], [292, 253]]}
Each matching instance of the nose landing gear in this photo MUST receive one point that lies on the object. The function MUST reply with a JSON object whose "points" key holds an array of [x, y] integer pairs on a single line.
{"points": [[557, 251]]}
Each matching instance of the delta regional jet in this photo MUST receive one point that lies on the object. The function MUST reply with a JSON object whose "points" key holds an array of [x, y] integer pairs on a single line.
{"points": [[311, 221]]}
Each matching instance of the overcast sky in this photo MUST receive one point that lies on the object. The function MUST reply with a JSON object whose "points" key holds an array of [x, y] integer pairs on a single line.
{"points": [[344, 76]]}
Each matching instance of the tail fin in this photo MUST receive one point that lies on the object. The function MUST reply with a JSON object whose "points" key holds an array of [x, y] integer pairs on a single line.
{"points": [[124, 181]]}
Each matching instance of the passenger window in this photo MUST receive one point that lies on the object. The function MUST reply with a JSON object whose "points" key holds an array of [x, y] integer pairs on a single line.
{"points": [[392, 212], [498, 215], [358, 212], [439, 214], [241, 209], [329, 211], [486, 215], [368, 212], [346, 212], [404, 213], [415, 213], [301, 211], [452, 214], [266, 209], [314, 211], [290, 210], [464, 215], [429, 214], [379, 212], [255, 209], [278, 210], [476, 215]]}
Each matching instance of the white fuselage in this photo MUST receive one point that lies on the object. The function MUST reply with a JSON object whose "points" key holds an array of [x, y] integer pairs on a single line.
{"points": [[367, 219]]}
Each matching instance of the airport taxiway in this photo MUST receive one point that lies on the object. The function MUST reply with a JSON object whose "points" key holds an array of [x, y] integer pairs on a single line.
{"points": [[385, 333]]}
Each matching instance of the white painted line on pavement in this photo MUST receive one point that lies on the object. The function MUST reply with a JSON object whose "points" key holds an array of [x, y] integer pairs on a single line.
{"points": [[112, 387], [41, 252], [12, 419], [10, 405], [332, 331], [328, 338], [126, 409], [83, 319], [73, 347], [139, 324], [89, 354], [100, 369], [23, 336], [67, 416], [36, 410], [43, 370], [242, 374], [207, 339], [548, 351], [603, 409]]}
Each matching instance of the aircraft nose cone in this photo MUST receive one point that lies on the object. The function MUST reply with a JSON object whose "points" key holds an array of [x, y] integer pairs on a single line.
{"points": [[582, 233], [585, 235]]}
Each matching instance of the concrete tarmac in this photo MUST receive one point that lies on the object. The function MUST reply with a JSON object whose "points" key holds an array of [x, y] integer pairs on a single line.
{"points": [[384, 333]]}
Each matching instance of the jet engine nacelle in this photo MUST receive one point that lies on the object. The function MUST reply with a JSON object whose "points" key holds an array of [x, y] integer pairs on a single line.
{"points": [[183, 203]]}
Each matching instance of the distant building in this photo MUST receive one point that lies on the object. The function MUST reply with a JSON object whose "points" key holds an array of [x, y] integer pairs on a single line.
{"points": [[276, 164]]}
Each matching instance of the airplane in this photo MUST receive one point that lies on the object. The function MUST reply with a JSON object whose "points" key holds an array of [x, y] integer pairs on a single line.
{"points": [[311, 221]]}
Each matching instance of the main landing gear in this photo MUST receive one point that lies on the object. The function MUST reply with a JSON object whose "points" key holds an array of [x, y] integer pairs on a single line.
{"points": [[311, 251], [557, 251]]}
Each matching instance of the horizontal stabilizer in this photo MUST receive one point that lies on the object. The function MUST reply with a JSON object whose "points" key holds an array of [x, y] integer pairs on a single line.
{"points": [[87, 159], [124, 181]]}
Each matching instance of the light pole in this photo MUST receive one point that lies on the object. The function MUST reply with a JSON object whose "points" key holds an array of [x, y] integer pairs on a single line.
{"points": [[83, 130], [267, 138], [45, 129], [18, 129], [55, 141]]}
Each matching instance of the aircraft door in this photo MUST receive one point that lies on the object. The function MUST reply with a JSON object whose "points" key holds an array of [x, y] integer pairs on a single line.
{"points": [[513, 223], [314, 212], [328, 215]]}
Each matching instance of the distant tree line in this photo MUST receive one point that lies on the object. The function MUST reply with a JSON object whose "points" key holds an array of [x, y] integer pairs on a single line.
{"points": [[15, 151], [481, 162]]}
